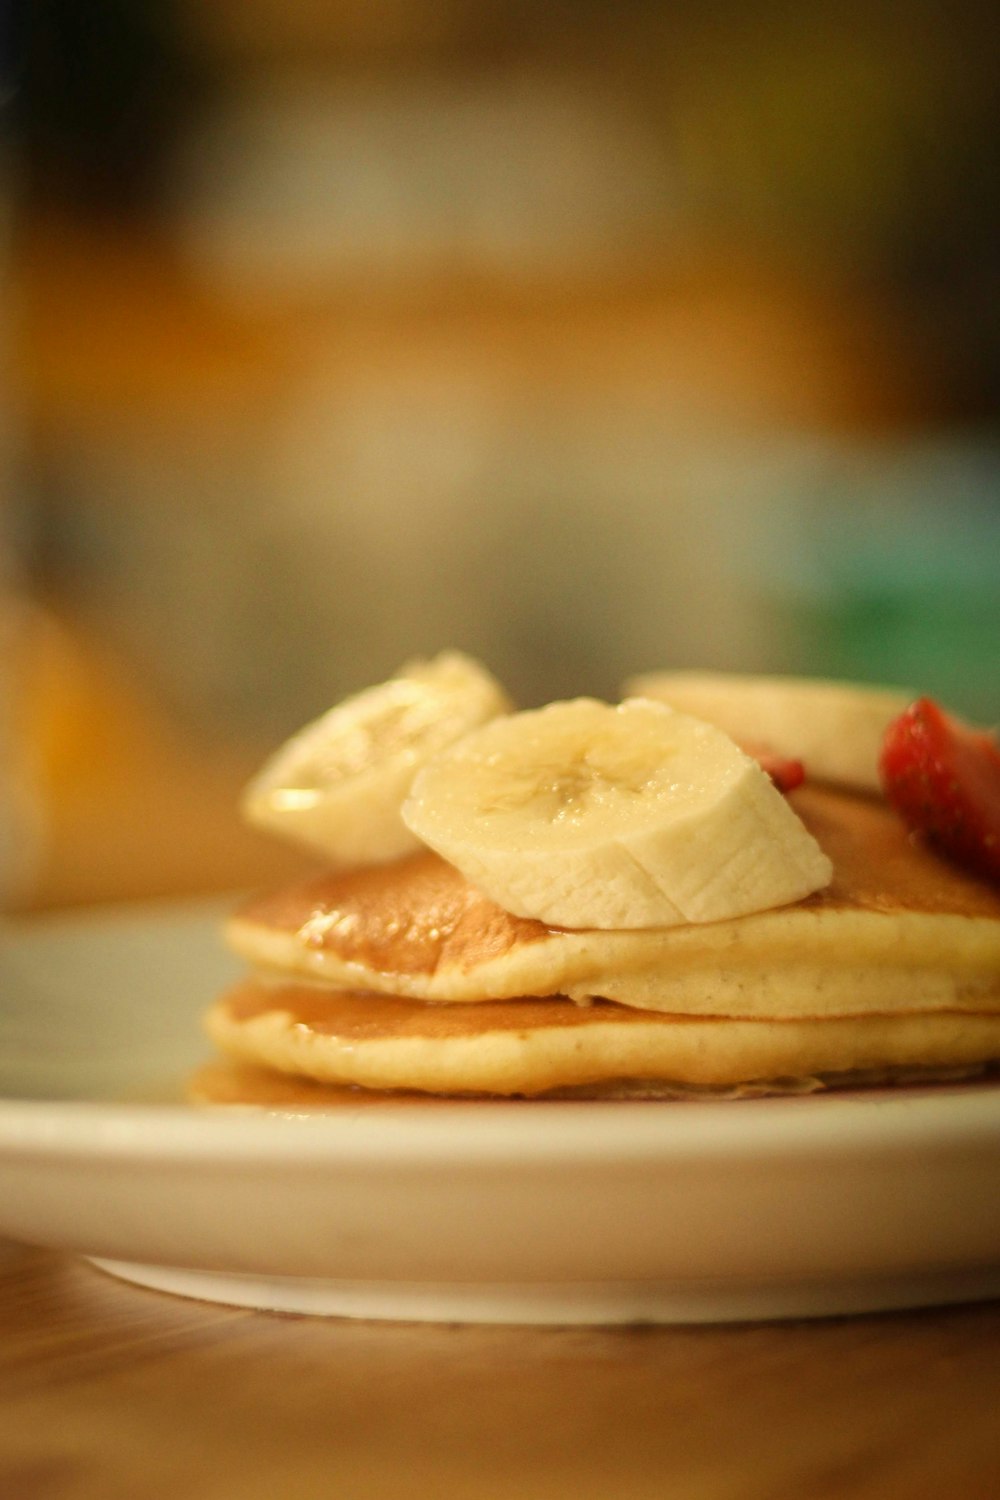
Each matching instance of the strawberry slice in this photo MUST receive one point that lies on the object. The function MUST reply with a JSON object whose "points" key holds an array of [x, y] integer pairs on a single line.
{"points": [[786, 774], [943, 777]]}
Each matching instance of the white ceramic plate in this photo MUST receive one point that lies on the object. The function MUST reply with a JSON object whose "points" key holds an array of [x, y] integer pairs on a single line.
{"points": [[558, 1212]]}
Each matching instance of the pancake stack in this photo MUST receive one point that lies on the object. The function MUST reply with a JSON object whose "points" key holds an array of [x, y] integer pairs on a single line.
{"points": [[400, 975]]}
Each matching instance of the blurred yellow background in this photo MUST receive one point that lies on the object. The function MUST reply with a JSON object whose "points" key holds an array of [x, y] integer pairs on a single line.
{"points": [[590, 339]]}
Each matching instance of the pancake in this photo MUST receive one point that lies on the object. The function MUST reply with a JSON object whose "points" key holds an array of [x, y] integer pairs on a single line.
{"points": [[537, 1046], [898, 930], [403, 981], [226, 1081]]}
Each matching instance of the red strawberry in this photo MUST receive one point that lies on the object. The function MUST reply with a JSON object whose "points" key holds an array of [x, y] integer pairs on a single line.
{"points": [[786, 774], [943, 776]]}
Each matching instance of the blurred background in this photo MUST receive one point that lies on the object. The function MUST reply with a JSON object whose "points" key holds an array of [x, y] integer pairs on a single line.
{"points": [[588, 338]]}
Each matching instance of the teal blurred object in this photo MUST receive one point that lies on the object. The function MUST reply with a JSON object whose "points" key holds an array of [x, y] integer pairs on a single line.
{"points": [[893, 575]]}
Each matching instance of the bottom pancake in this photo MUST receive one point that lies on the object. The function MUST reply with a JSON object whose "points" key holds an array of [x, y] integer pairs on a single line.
{"points": [[228, 1082], [532, 1047]]}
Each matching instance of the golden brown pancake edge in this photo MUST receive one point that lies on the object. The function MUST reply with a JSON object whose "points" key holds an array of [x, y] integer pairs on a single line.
{"points": [[533, 1046], [418, 923]]}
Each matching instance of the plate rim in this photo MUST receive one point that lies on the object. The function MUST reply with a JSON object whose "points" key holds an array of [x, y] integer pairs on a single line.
{"points": [[945, 1119]]}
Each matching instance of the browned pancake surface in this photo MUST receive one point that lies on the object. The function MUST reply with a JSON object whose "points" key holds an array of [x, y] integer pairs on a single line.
{"points": [[228, 1082], [418, 914], [360, 1016], [878, 865], [408, 917]]}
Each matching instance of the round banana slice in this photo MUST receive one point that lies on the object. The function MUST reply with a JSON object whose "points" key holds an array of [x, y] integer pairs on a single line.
{"points": [[337, 786], [834, 728], [588, 816]]}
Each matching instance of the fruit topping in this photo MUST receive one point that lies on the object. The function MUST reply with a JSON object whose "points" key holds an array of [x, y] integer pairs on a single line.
{"points": [[338, 785], [943, 776], [834, 728], [586, 815], [786, 773]]}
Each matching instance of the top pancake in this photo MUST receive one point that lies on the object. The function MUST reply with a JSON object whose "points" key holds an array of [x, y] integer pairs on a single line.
{"points": [[899, 929]]}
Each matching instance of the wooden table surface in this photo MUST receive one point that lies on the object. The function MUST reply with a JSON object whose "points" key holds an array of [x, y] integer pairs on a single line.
{"points": [[110, 1391]]}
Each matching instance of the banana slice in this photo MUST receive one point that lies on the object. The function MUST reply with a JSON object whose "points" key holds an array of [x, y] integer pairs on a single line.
{"points": [[337, 786], [834, 728], [584, 815]]}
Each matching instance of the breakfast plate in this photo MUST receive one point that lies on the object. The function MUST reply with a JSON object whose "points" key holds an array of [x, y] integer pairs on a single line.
{"points": [[544, 1212]]}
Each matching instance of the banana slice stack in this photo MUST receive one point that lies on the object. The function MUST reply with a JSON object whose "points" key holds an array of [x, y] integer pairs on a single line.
{"points": [[584, 815], [337, 787], [836, 728], [579, 814], [608, 899]]}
